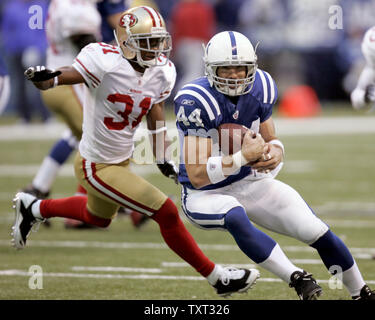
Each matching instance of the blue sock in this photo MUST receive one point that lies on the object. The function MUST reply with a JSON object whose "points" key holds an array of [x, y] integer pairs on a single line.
{"points": [[333, 251], [253, 242], [61, 151]]}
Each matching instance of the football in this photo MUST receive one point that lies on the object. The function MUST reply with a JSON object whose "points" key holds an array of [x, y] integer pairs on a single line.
{"points": [[231, 136]]}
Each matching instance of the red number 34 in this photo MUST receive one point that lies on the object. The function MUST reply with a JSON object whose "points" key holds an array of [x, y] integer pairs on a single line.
{"points": [[111, 124]]}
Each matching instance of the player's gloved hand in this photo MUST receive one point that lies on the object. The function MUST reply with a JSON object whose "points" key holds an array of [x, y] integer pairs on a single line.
{"points": [[169, 169], [40, 73], [370, 93]]}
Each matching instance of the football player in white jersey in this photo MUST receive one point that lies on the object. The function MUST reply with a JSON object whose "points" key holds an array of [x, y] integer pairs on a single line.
{"points": [[125, 83], [229, 192], [70, 26], [363, 96]]}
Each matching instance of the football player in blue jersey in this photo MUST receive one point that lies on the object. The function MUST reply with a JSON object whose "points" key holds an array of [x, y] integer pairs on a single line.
{"points": [[229, 192]]}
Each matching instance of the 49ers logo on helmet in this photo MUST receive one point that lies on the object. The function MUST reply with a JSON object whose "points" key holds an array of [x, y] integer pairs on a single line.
{"points": [[128, 19]]}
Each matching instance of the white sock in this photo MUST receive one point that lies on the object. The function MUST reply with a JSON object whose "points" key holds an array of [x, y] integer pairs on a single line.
{"points": [[215, 274], [46, 174], [279, 264], [35, 209], [352, 279]]}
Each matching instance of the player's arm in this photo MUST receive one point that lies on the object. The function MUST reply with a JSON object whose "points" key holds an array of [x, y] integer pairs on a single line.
{"points": [[363, 96], [204, 169], [160, 142], [158, 131], [45, 79], [275, 151]]}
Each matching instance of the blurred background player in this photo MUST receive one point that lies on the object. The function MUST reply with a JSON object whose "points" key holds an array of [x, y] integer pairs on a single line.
{"points": [[23, 46], [193, 23], [363, 96], [4, 86], [125, 83]]}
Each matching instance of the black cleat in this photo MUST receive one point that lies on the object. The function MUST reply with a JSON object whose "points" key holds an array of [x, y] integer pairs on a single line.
{"points": [[305, 285], [365, 294], [30, 189], [24, 219], [235, 280]]}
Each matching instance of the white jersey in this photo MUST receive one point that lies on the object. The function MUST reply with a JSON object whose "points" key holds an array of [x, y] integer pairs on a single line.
{"points": [[65, 19], [368, 73], [117, 100], [368, 46]]}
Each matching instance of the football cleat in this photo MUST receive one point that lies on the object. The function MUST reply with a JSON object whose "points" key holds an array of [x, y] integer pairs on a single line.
{"points": [[234, 280], [305, 285], [24, 219], [40, 195], [365, 294]]}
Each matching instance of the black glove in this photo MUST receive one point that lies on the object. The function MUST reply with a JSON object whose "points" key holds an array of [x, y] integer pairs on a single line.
{"points": [[169, 169], [370, 93], [40, 73]]}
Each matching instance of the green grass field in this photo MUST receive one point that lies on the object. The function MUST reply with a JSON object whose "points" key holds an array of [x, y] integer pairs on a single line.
{"points": [[334, 173]]}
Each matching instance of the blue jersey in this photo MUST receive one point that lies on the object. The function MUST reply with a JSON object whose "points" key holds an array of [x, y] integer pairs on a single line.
{"points": [[200, 108]]}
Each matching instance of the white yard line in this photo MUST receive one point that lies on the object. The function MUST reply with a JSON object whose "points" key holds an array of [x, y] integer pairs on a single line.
{"points": [[166, 264], [117, 269], [152, 245], [8, 217], [15, 272]]}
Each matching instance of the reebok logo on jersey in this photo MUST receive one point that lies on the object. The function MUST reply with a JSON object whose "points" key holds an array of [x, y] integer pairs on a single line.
{"points": [[188, 102]]}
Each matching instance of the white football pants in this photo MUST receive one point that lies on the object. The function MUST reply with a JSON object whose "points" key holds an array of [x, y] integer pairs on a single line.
{"points": [[268, 202]]}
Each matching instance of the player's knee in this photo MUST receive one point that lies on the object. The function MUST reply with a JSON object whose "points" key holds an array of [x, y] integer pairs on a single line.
{"points": [[311, 232], [327, 240], [167, 214], [236, 218]]}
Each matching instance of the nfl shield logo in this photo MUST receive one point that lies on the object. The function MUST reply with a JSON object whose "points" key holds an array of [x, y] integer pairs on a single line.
{"points": [[235, 115]]}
